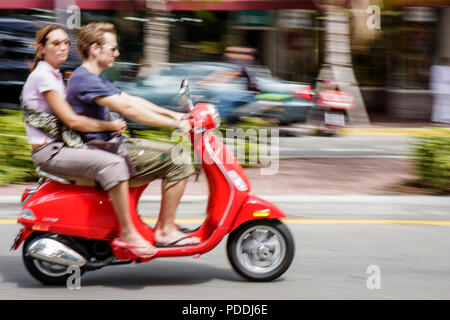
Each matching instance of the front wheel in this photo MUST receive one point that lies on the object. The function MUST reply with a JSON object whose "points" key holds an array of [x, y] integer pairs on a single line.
{"points": [[261, 250]]}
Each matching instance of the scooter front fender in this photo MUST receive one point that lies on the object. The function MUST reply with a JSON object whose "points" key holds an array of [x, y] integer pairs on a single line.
{"points": [[255, 208], [21, 236]]}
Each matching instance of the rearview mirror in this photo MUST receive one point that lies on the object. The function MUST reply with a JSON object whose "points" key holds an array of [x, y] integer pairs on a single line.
{"points": [[183, 96]]}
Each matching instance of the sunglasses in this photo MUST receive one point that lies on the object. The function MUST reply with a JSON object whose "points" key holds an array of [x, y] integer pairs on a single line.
{"points": [[58, 43], [113, 49]]}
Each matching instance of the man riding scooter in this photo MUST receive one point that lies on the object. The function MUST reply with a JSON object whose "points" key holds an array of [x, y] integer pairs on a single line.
{"points": [[92, 95], [66, 221]]}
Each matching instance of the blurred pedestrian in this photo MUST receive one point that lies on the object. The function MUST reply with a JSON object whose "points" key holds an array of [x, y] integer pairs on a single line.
{"points": [[244, 58], [440, 87]]}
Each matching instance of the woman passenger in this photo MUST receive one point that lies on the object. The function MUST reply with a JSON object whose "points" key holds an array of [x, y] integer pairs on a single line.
{"points": [[60, 150]]}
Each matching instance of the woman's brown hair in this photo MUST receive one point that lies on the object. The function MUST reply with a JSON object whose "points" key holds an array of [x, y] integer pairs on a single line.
{"points": [[41, 38]]}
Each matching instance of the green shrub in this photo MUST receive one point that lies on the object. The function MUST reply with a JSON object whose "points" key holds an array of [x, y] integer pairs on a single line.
{"points": [[432, 157], [16, 164], [251, 148]]}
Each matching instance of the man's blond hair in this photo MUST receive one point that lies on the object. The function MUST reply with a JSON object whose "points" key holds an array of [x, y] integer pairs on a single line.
{"points": [[93, 33]]}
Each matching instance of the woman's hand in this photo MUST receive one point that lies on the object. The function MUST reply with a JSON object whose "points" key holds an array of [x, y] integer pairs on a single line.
{"points": [[119, 126], [179, 116], [184, 126]]}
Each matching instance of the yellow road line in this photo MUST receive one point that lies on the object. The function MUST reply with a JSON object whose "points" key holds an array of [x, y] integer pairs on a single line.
{"points": [[311, 221], [9, 221], [395, 131], [365, 222]]}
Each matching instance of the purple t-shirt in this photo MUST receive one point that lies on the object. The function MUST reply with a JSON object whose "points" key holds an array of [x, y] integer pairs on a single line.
{"points": [[83, 87]]}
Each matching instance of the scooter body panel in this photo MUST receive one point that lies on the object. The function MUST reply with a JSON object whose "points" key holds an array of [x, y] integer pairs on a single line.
{"points": [[256, 208], [79, 211], [86, 212]]}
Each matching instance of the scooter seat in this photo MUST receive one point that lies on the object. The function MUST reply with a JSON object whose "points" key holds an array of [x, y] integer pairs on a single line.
{"points": [[82, 181]]}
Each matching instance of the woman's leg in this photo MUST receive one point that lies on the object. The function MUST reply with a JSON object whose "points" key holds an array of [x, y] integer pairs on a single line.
{"points": [[128, 233], [111, 171]]}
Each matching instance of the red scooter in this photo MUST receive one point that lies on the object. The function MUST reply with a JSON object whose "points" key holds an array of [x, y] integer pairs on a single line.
{"points": [[67, 221], [331, 106]]}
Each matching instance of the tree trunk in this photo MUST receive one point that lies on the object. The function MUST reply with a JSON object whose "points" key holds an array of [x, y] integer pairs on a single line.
{"points": [[156, 36], [337, 64]]}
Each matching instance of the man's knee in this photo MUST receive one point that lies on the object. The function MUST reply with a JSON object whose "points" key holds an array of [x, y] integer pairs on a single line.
{"points": [[114, 172]]}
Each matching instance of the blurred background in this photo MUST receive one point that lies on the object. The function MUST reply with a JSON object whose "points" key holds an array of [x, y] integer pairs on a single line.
{"points": [[391, 64], [328, 64]]}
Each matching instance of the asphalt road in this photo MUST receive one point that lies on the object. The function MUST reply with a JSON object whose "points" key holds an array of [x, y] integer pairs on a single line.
{"points": [[337, 255], [342, 243]]}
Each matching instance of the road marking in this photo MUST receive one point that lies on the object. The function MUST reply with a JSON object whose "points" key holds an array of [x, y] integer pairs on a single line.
{"points": [[412, 132], [364, 222], [310, 221], [8, 221]]}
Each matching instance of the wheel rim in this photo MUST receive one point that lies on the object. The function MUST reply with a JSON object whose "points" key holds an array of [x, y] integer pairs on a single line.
{"points": [[261, 249], [50, 269]]}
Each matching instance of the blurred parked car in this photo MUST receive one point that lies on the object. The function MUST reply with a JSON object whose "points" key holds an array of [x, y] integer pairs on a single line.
{"points": [[162, 89], [16, 57]]}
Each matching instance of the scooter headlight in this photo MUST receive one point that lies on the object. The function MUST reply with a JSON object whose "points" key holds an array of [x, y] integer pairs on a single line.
{"points": [[206, 117], [27, 214]]}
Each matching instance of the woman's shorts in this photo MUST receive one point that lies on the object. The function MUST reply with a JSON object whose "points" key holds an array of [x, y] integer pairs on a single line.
{"points": [[108, 169]]}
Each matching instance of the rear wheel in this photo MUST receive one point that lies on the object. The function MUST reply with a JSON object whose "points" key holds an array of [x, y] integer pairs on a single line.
{"points": [[48, 272], [261, 250]]}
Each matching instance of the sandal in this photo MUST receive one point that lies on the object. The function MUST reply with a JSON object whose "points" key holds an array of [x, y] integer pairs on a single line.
{"points": [[174, 243], [134, 249]]}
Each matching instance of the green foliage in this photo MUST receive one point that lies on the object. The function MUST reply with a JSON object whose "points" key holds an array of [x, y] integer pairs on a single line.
{"points": [[247, 150], [432, 156], [16, 164]]}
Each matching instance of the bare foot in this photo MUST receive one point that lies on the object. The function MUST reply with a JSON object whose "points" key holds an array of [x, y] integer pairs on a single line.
{"points": [[142, 247], [175, 237]]}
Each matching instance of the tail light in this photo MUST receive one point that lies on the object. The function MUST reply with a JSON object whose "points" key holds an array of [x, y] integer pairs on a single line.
{"points": [[304, 92], [337, 99]]}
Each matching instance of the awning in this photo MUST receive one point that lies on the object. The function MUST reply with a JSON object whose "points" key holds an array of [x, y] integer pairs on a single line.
{"points": [[233, 5], [176, 5], [83, 4], [191, 5]]}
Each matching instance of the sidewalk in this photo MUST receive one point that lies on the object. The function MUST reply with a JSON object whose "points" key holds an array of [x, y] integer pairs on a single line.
{"points": [[381, 125], [327, 176], [301, 176]]}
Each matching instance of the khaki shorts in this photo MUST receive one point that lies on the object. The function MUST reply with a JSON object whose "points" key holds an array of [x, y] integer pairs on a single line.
{"points": [[159, 159], [107, 168]]}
